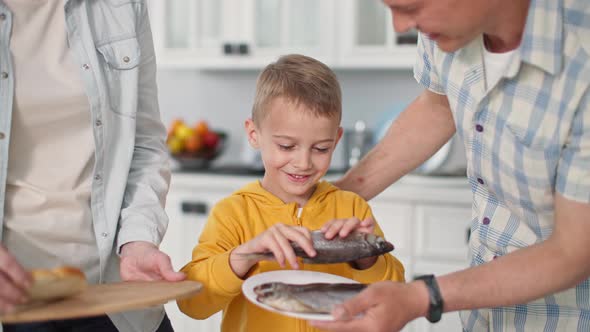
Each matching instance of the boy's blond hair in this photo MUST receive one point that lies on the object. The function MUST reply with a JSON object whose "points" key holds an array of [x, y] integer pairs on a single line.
{"points": [[299, 79]]}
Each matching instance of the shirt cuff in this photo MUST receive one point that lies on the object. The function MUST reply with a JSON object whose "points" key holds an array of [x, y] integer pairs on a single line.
{"points": [[225, 278], [372, 274], [144, 234]]}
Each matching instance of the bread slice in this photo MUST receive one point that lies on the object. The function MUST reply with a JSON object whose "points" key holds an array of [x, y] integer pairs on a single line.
{"points": [[60, 282]]}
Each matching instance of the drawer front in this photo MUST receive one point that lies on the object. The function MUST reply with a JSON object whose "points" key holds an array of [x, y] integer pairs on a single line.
{"points": [[395, 221], [442, 232]]}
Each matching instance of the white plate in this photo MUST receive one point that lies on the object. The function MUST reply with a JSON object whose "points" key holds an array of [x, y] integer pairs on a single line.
{"points": [[291, 277]]}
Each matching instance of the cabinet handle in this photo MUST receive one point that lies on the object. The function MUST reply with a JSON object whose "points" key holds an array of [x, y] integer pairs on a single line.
{"points": [[243, 49], [407, 38], [235, 48], [194, 207], [227, 48]]}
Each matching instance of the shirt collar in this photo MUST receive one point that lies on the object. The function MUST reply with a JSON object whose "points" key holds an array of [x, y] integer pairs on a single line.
{"points": [[542, 42]]}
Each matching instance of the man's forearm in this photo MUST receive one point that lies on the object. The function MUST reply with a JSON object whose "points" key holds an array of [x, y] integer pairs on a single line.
{"points": [[530, 273], [520, 277], [425, 126]]}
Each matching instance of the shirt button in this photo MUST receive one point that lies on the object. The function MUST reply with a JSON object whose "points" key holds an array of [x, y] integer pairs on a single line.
{"points": [[98, 123], [2, 136], [2, 17], [4, 75], [479, 128], [86, 66], [486, 221], [126, 59], [480, 180], [104, 234], [97, 177]]}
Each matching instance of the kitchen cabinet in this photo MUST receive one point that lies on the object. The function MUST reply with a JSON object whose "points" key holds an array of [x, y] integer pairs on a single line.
{"points": [[249, 34], [367, 39], [426, 218], [221, 34], [187, 205]]}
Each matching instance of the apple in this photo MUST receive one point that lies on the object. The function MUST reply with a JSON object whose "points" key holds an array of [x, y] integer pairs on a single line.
{"points": [[210, 140]]}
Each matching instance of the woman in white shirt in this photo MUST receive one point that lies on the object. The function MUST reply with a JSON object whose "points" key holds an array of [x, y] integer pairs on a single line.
{"points": [[83, 163]]}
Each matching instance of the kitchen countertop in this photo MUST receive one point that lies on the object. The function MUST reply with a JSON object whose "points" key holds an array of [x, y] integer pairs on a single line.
{"points": [[412, 186]]}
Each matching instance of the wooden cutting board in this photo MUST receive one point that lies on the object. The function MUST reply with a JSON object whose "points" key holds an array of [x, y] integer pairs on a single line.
{"points": [[98, 300]]}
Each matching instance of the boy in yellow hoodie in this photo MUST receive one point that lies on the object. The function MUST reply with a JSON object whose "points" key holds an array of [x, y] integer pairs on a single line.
{"points": [[296, 125]]}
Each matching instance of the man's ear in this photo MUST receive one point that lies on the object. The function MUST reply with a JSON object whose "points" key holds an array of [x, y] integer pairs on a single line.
{"points": [[251, 133]]}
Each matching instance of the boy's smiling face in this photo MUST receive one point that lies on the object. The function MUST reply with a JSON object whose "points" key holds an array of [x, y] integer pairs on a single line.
{"points": [[296, 147]]}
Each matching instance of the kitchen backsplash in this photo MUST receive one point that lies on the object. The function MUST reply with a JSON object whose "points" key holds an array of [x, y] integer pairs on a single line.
{"points": [[224, 98]]}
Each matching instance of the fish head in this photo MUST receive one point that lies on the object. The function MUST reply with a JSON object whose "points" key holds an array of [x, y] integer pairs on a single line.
{"points": [[380, 245], [268, 288]]}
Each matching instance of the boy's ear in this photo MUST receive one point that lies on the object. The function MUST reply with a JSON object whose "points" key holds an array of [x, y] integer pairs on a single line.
{"points": [[251, 133], [340, 132]]}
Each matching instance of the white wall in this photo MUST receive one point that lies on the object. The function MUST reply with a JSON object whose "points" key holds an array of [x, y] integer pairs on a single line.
{"points": [[224, 98]]}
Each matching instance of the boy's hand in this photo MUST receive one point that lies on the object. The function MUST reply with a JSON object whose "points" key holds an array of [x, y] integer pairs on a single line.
{"points": [[276, 240], [343, 227]]}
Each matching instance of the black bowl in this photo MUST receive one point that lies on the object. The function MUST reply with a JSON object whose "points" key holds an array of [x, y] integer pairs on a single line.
{"points": [[203, 158]]}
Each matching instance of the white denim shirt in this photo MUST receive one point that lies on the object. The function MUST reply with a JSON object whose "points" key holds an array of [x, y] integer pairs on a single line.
{"points": [[112, 43]]}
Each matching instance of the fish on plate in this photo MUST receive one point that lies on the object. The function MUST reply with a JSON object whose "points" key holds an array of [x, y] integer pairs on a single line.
{"points": [[337, 250], [317, 298]]}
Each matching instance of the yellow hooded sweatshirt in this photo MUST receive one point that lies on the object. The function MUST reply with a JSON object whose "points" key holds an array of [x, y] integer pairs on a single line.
{"points": [[241, 217]]}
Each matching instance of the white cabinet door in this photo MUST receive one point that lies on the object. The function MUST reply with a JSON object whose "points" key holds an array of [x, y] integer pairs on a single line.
{"points": [[395, 219], [442, 232], [367, 38], [223, 34], [291, 26], [187, 211], [188, 33]]}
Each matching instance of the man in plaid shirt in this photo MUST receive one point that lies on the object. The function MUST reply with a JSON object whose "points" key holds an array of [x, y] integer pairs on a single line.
{"points": [[512, 79]]}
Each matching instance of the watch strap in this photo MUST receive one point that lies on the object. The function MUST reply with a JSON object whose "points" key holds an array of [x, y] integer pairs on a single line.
{"points": [[435, 308]]}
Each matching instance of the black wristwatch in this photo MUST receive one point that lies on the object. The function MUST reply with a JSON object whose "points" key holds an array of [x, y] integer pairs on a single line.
{"points": [[435, 309]]}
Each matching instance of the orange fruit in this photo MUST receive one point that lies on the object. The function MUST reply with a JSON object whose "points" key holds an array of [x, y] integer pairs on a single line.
{"points": [[201, 128], [193, 143]]}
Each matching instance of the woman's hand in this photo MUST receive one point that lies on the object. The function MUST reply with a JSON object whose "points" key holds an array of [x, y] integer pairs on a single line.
{"points": [[277, 240], [144, 261], [343, 227]]}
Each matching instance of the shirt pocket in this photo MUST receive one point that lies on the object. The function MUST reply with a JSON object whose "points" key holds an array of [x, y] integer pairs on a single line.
{"points": [[121, 60]]}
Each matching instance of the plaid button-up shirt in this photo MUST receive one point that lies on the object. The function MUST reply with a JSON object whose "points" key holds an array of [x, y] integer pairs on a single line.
{"points": [[527, 137]]}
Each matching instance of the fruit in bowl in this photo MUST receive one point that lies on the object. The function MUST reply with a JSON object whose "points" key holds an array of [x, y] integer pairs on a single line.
{"points": [[195, 146]]}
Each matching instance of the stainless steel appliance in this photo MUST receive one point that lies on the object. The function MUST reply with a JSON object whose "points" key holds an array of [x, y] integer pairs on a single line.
{"points": [[448, 160], [356, 143]]}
